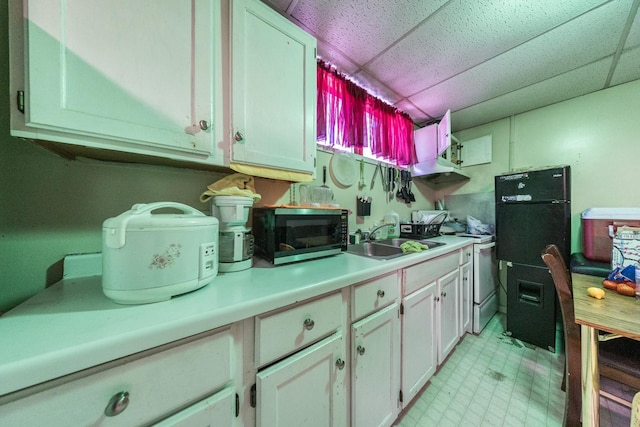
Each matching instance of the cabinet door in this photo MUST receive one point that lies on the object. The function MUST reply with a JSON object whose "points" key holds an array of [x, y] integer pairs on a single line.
{"points": [[448, 313], [444, 133], [273, 90], [216, 410], [375, 375], [131, 76], [466, 297], [418, 341], [307, 388]]}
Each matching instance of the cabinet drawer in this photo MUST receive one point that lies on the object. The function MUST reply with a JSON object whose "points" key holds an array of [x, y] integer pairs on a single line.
{"points": [[374, 295], [465, 254], [422, 274], [157, 385], [282, 332]]}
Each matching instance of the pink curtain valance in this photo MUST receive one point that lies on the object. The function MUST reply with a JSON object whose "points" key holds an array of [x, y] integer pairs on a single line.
{"points": [[350, 117]]}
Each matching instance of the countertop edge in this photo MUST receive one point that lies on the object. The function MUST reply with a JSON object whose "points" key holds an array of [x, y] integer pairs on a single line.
{"points": [[232, 297]]}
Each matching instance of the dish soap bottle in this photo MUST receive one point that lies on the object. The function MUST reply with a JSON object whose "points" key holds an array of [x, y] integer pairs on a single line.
{"points": [[393, 219]]}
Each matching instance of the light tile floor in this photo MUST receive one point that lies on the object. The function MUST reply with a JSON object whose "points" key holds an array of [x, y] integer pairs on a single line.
{"points": [[492, 380]]}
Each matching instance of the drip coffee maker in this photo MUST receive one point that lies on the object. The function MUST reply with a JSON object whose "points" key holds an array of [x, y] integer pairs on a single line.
{"points": [[235, 245]]}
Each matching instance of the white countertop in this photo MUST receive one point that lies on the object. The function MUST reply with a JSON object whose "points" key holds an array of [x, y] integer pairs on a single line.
{"points": [[72, 326]]}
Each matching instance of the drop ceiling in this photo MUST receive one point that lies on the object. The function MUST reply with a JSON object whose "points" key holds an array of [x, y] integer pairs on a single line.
{"points": [[483, 59]]}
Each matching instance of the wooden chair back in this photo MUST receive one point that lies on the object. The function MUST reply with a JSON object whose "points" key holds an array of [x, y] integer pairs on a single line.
{"points": [[562, 281]]}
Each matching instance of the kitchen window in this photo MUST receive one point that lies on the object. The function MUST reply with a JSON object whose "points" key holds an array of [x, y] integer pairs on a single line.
{"points": [[351, 119]]}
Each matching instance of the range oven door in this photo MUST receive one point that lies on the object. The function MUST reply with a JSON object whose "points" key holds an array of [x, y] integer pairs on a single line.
{"points": [[484, 271]]}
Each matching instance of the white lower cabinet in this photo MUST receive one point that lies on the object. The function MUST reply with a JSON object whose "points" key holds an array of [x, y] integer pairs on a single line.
{"points": [[419, 356], [430, 314], [375, 353], [307, 388], [218, 409], [192, 382], [448, 313], [301, 365]]}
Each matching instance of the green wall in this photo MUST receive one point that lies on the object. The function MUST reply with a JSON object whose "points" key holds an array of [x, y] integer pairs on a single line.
{"points": [[598, 135]]}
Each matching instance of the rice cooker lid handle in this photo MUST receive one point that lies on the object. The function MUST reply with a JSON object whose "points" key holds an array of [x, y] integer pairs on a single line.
{"points": [[115, 237]]}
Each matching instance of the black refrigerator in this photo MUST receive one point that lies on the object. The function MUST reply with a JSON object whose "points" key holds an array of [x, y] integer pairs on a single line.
{"points": [[533, 209]]}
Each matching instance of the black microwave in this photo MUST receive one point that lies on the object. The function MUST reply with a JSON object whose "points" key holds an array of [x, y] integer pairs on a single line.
{"points": [[283, 235]]}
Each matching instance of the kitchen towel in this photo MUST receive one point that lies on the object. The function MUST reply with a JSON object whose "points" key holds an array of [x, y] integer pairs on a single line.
{"points": [[236, 184]]}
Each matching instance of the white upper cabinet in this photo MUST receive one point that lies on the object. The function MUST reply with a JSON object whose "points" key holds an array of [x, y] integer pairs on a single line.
{"points": [[433, 140], [139, 77], [444, 133], [274, 90]]}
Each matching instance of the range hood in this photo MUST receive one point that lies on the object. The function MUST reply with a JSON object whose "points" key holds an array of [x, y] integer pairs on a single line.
{"points": [[438, 170]]}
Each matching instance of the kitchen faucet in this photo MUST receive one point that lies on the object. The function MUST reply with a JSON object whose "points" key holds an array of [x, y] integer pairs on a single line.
{"points": [[372, 232]]}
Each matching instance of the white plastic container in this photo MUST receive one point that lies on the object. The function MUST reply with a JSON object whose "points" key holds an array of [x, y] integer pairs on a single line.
{"points": [[231, 210], [149, 257], [393, 219]]}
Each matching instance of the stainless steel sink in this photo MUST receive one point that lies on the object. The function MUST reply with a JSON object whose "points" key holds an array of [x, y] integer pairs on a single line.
{"points": [[385, 248], [400, 240], [375, 250]]}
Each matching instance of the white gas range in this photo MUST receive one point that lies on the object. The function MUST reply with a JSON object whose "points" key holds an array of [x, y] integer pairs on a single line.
{"points": [[485, 280]]}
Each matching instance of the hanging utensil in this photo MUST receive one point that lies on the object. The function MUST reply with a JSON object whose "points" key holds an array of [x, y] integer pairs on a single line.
{"points": [[412, 198], [391, 185], [375, 173], [361, 184], [325, 194], [399, 193]]}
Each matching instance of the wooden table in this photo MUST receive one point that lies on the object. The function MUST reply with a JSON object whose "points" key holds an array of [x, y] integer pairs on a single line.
{"points": [[614, 313]]}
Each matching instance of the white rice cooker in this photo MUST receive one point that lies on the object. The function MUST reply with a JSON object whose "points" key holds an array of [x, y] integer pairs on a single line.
{"points": [[150, 257]]}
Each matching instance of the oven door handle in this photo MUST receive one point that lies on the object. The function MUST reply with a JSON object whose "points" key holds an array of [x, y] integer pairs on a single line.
{"points": [[479, 247]]}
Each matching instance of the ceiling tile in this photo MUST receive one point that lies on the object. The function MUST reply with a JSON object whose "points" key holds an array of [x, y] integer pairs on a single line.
{"points": [[464, 34], [589, 78], [362, 28], [343, 63], [633, 39], [628, 67], [590, 37]]}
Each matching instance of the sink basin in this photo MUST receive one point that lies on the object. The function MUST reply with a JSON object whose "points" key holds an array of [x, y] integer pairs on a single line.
{"points": [[396, 242], [385, 248], [375, 250]]}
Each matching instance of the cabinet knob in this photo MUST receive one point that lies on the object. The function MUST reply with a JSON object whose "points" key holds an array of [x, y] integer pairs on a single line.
{"points": [[204, 125], [381, 293], [360, 350], [309, 324], [117, 404], [238, 136], [340, 364], [444, 294]]}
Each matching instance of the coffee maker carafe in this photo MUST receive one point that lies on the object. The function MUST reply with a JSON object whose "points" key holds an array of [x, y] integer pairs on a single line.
{"points": [[235, 245]]}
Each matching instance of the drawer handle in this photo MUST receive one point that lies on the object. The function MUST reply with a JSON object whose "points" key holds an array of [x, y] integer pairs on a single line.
{"points": [[340, 364], [360, 350], [117, 404], [381, 293], [309, 324]]}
